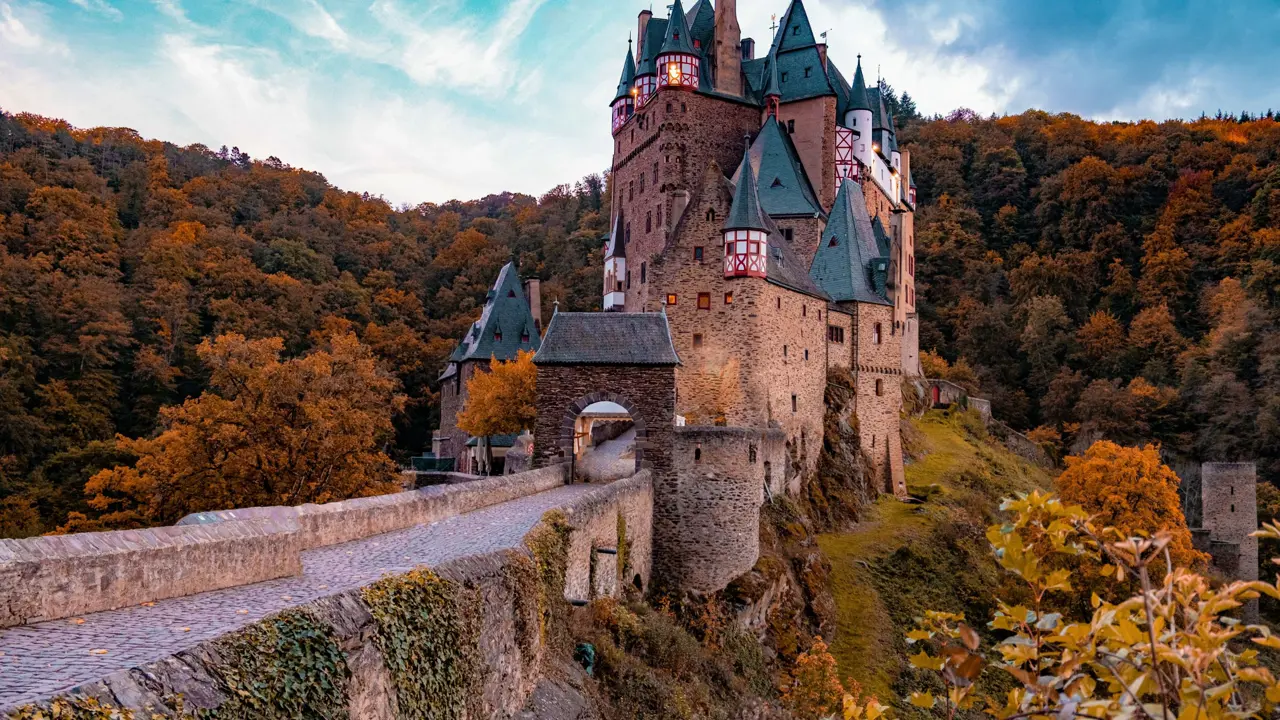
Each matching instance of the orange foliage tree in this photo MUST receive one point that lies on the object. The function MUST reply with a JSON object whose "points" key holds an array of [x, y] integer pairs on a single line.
{"points": [[503, 401], [1131, 490], [812, 689], [268, 432]]}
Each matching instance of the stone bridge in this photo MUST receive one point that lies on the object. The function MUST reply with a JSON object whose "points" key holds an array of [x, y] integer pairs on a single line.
{"points": [[132, 618]]}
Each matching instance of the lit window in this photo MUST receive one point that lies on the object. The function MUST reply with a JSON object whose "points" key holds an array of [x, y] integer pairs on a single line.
{"points": [[524, 337], [671, 299], [704, 301], [497, 335], [728, 298], [697, 254]]}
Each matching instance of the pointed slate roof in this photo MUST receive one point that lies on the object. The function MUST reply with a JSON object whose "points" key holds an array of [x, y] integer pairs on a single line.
{"points": [[781, 182], [599, 338], [702, 23], [794, 31], [842, 265], [745, 213], [628, 75], [505, 314], [772, 86], [654, 33], [617, 245], [677, 38], [858, 99]]}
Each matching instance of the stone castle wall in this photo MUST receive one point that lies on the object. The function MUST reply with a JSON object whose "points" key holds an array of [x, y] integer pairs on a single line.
{"points": [[1230, 512], [879, 396], [815, 141], [594, 566], [722, 474], [453, 396], [678, 134]]}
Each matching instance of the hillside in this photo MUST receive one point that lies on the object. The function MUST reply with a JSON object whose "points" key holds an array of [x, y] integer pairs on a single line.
{"points": [[1093, 279]]}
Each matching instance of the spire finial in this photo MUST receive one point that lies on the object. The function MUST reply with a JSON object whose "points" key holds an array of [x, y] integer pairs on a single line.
{"points": [[555, 306]]}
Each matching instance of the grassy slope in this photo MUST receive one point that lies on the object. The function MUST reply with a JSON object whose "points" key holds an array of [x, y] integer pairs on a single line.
{"points": [[905, 558]]}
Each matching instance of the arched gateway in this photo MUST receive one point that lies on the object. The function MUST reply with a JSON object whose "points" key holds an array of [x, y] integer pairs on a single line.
{"points": [[623, 358]]}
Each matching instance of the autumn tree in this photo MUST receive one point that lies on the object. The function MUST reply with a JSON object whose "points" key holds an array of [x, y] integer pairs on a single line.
{"points": [[502, 401], [812, 689], [1131, 490], [269, 431]]}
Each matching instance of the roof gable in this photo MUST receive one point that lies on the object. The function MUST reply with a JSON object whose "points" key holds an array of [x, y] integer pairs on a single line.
{"points": [[503, 324], [842, 265], [794, 31], [803, 74], [676, 39]]}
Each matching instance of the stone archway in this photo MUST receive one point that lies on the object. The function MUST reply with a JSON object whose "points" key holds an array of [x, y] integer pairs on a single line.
{"points": [[569, 425]]}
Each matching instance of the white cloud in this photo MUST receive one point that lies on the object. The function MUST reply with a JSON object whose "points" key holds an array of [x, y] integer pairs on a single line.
{"points": [[20, 30], [101, 7], [172, 10]]}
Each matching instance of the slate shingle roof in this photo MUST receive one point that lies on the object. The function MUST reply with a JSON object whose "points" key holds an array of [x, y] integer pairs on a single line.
{"points": [[654, 33], [506, 312], [598, 338], [784, 187], [616, 244], [745, 213], [628, 76], [843, 269], [677, 38]]}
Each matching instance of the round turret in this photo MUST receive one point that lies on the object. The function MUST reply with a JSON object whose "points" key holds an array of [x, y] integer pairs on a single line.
{"points": [[679, 63]]}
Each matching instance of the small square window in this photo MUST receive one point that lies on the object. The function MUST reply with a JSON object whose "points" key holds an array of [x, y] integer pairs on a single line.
{"points": [[697, 340], [784, 77], [808, 72], [728, 298], [791, 127], [704, 301], [697, 253], [671, 299]]}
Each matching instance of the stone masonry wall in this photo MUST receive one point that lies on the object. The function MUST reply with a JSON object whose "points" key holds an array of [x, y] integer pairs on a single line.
{"points": [[48, 578], [815, 141], [840, 354], [879, 398], [453, 396], [679, 134], [347, 520], [721, 480], [594, 522], [55, 577], [1230, 510]]}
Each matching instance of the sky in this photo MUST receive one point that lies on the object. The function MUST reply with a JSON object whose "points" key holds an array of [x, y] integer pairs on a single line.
{"points": [[432, 100]]}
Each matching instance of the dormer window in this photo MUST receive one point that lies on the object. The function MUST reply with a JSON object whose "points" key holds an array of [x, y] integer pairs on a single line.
{"points": [[808, 72], [833, 242], [524, 337], [511, 293], [784, 77], [795, 30], [497, 336]]}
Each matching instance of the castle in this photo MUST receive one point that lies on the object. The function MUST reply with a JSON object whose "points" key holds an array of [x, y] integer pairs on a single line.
{"points": [[761, 235], [764, 205]]}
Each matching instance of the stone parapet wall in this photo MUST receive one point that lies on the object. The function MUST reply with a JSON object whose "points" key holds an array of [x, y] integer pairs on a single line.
{"points": [[56, 577], [594, 519], [339, 522], [48, 578]]}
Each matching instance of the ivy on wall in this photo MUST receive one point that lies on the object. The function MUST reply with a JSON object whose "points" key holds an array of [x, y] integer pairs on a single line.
{"points": [[67, 708], [288, 666], [549, 542], [428, 629]]}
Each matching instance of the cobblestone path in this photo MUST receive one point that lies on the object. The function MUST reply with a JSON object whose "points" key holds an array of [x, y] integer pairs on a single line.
{"points": [[38, 661]]}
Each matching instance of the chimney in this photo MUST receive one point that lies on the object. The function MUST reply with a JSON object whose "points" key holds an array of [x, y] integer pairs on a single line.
{"points": [[643, 22], [728, 48], [822, 53], [748, 49], [533, 293]]}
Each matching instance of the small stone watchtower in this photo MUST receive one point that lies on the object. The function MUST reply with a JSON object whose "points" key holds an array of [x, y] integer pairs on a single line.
{"points": [[1229, 497]]}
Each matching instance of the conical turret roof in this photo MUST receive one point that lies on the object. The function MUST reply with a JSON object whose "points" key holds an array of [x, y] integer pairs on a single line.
{"points": [[772, 87], [677, 39], [628, 75], [842, 265], [858, 99], [617, 247], [745, 214]]}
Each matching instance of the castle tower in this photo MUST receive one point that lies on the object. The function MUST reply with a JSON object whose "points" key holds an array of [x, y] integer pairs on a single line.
{"points": [[728, 48], [646, 82], [615, 266], [678, 63], [772, 91], [624, 101], [859, 118], [746, 231]]}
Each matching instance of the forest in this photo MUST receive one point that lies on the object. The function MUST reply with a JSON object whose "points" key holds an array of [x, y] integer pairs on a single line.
{"points": [[1095, 280]]}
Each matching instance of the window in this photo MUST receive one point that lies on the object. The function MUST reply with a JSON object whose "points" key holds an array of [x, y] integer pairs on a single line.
{"points": [[668, 107], [631, 191], [648, 222], [497, 335], [704, 301], [788, 233], [697, 455], [524, 337], [779, 303], [879, 387], [804, 311], [806, 354], [626, 240], [628, 279], [834, 241], [659, 216], [795, 30], [808, 72], [711, 215], [511, 293], [671, 299], [642, 184], [875, 334], [751, 454], [697, 340], [835, 334], [794, 402], [655, 174], [784, 77], [784, 351], [644, 274], [697, 254], [791, 127], [684, 108], [728, 298]]}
